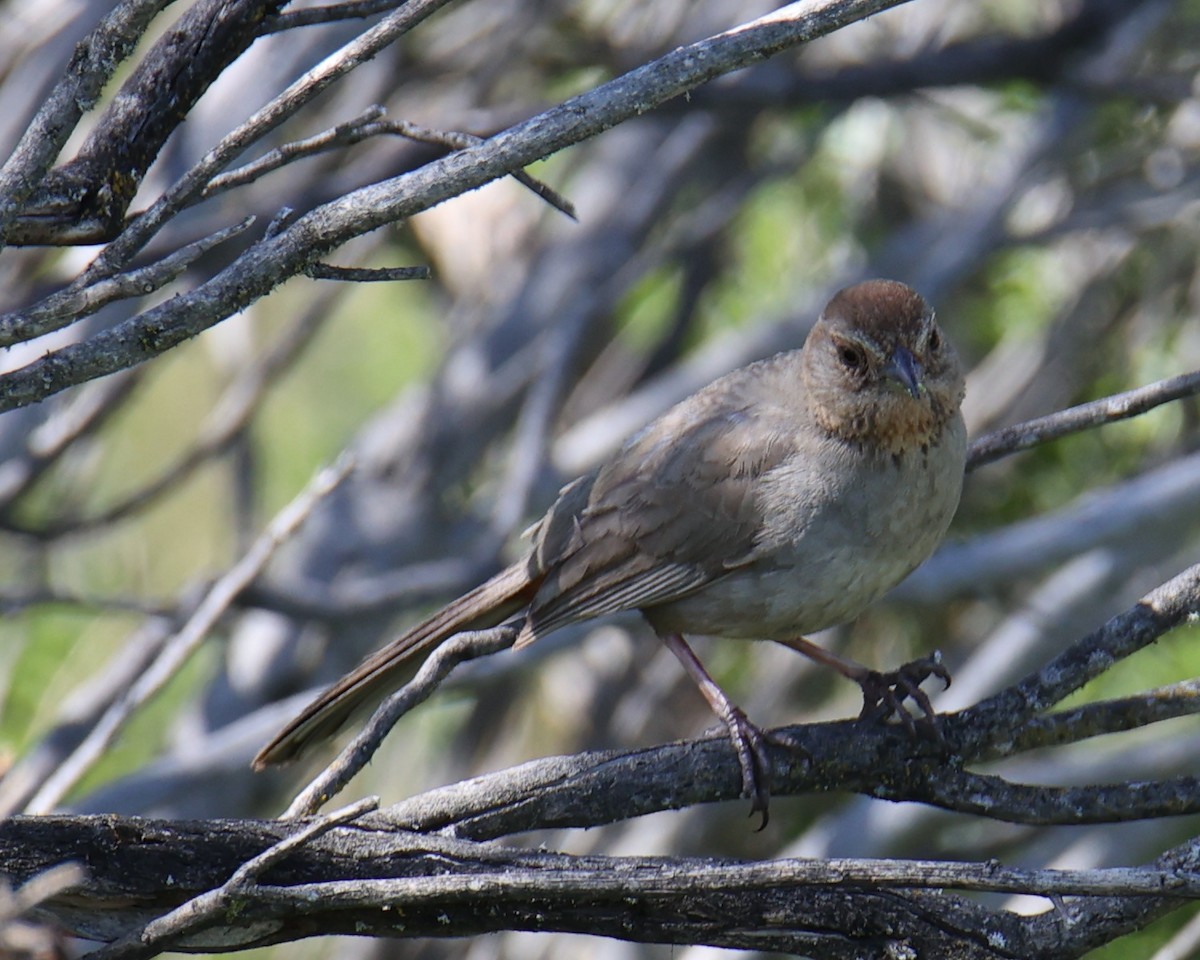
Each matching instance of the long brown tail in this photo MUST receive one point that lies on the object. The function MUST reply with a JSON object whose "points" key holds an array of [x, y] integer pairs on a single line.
{"points": [[485, 606]]}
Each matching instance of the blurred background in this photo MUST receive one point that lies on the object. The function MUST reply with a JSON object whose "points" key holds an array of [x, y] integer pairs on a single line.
{"points": [[1030, 167]]}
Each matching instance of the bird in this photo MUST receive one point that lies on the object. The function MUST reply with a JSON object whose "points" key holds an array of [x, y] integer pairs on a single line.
{"points": [[780, 500]]}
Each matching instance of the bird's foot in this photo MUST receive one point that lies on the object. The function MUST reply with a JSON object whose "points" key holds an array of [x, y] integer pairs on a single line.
{"points": [[750, 743], [753, 752], [884, 695]]}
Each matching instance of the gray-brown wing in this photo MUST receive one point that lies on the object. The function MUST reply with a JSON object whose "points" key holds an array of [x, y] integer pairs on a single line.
{"points": [[661, 518]]}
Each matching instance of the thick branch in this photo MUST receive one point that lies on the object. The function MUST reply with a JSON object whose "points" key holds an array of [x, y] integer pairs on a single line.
{"points": [[370, 881], [95, 60], [84, 201]]}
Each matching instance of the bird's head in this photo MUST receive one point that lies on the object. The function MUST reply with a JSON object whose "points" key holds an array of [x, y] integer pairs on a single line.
{"points": [[878, 369]]}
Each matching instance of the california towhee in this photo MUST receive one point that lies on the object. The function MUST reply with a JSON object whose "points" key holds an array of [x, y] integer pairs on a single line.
{"points": [[779, 500]]}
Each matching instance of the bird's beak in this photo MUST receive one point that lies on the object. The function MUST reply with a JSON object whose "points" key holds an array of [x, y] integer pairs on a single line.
{"points": [[906, 370]]}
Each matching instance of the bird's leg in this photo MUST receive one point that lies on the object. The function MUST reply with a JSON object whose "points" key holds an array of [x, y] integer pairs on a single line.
{"points": [[748, 740], [883, 693]]}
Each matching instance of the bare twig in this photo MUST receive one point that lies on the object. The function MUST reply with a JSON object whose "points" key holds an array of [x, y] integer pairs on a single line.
{"points": [[680, 875], [251, 870], [460, 141], [180, 647], [1108, 716], [1054, 426], [358, 753], [999, 799], [67, 306], [327, 271], [596, 788], [328, 14], [343, 135], [364, 126], [86, 199]]}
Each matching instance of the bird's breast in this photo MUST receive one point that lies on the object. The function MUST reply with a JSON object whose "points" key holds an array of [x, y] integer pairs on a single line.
{"points": [[840, 528]]}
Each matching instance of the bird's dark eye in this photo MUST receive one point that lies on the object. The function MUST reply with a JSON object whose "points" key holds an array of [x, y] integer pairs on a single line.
{"points": [[852, 357], [935, 340]]}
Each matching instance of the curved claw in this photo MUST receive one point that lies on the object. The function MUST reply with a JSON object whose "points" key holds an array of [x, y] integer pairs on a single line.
{"points": [[754, 758], [884, 694]]}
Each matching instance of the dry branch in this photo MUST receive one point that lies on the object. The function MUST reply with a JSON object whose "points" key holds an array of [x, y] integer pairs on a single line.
{"points": [[275, 258], [239, 884]]}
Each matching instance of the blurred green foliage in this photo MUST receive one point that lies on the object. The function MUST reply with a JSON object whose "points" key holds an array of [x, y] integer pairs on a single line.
{"points": [[379, 338]]}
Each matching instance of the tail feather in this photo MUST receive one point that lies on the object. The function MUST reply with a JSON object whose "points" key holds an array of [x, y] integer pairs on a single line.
{"points": [[487, 605]]}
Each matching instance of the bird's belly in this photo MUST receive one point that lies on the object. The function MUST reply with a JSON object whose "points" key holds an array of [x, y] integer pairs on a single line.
{"points": [[771, 602]]}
